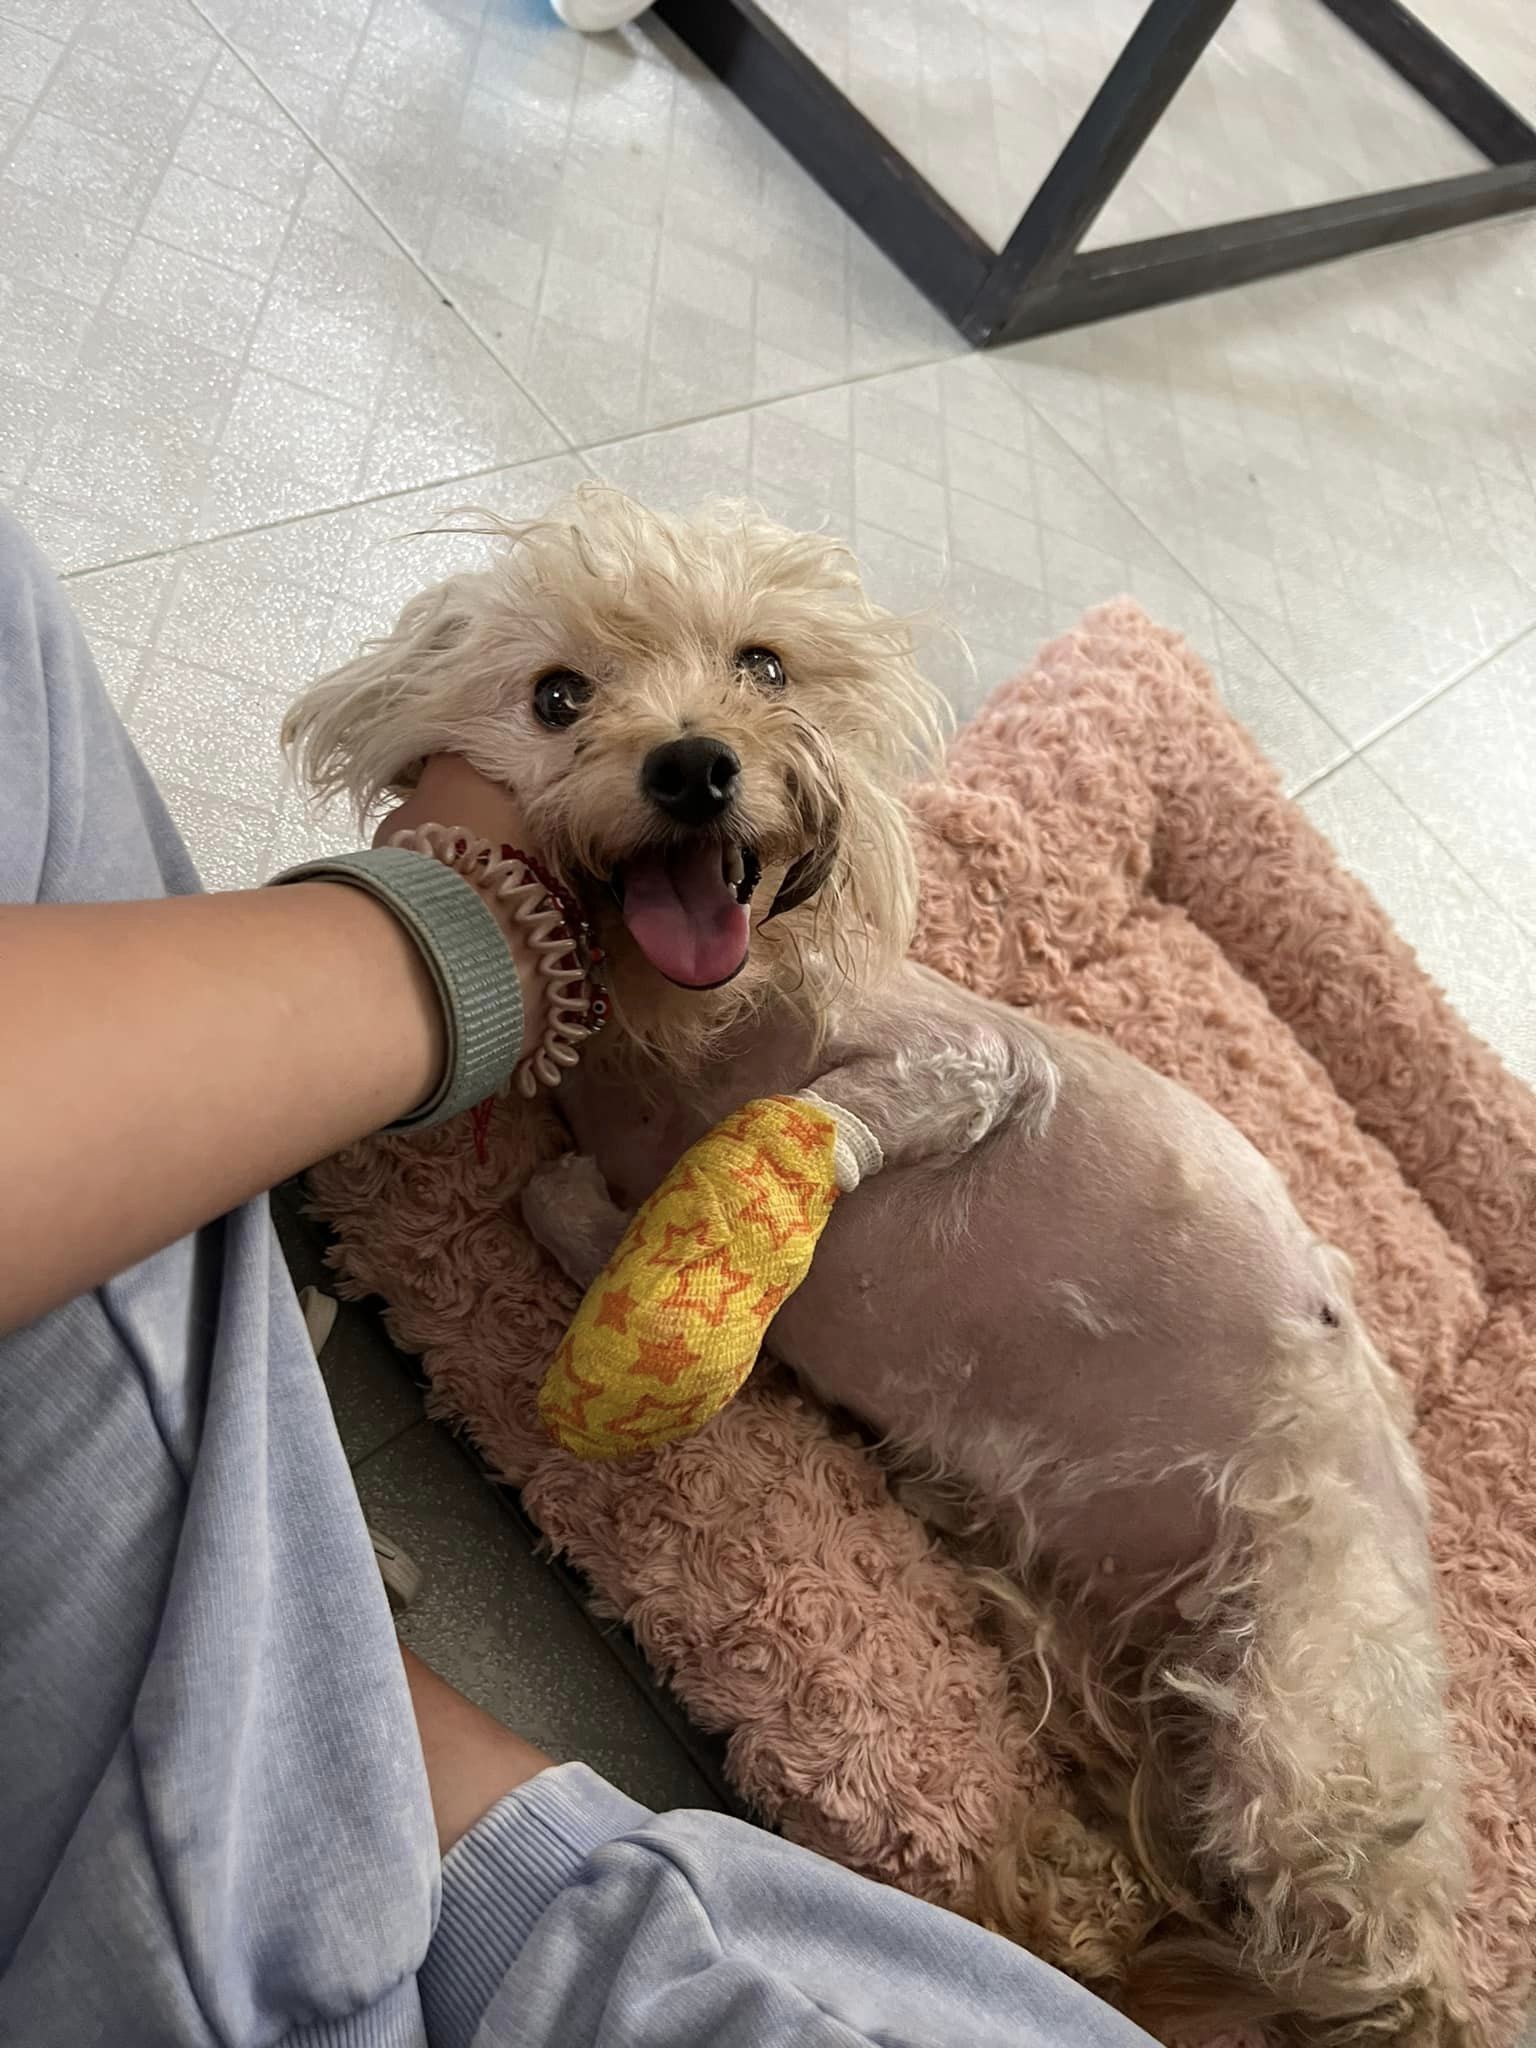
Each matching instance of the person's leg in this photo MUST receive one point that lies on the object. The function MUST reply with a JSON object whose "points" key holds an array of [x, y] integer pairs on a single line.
{"points": [[213, 1805], [572, 1918], [472, 1761]]}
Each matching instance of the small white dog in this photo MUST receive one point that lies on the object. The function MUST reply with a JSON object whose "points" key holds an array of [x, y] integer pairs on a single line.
{"points": [[1142, 1387]]}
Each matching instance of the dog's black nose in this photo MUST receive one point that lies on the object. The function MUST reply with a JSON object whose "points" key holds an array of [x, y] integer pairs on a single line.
{"points": [[691, 780]]}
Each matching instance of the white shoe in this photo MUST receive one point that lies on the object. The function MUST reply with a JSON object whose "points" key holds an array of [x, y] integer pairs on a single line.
{"points": [[400, 1572], [319, 1312], [596, 17]]}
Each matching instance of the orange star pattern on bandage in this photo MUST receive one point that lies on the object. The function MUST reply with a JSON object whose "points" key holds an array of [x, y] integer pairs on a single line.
{"points": [[615, 1309], [680, 1242], [807, 1127], [663, 1358], [708, 1287], [671, 1328], [785, 1203]]}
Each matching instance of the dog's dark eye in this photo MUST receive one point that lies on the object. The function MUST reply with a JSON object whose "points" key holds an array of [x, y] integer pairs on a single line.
{"points": [[762, 666], [559, 696]]}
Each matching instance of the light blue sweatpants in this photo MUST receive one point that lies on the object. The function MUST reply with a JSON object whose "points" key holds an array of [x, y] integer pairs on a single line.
{"points": [[214, 1824]]}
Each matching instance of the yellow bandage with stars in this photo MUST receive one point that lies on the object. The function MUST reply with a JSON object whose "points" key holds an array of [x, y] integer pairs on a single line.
{"points": [[672, 1326]]}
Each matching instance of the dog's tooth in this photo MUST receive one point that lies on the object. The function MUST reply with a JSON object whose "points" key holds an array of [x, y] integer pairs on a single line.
{"points": [[735, 866]]}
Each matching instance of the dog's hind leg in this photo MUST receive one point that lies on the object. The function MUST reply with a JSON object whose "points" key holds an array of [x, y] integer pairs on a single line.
{"points": [[1298, 1758], [1063, 1880], [1321, 1843]]}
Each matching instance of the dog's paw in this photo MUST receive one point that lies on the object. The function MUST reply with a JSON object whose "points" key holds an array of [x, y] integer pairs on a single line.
{"points": [[569, 1172], [567, 1207]]}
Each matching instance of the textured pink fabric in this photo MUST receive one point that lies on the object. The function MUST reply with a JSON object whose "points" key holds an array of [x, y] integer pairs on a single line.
{"points": [[1109, 848]]}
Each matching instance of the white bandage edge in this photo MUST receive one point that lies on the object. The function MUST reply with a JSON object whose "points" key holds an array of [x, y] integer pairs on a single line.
{"points": [[856, 1152]]}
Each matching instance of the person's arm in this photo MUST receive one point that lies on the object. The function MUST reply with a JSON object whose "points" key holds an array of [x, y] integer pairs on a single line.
{"points": [[163, 1061]]}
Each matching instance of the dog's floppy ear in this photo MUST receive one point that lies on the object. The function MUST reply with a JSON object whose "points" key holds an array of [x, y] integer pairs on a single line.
{"points": [[366, 726], [804, 877]]}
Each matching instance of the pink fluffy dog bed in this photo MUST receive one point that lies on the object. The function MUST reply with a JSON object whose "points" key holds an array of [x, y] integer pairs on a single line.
{"points": [[1107, 847]]}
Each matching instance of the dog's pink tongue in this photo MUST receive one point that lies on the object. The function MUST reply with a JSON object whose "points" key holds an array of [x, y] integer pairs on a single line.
{"points": [[683, 914]]}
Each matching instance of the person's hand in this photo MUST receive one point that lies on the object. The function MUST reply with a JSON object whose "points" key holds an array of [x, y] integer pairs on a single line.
{"points": [[450, 792]]}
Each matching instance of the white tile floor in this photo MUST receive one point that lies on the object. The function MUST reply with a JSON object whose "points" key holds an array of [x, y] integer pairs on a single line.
{"points": [[284, 280]]}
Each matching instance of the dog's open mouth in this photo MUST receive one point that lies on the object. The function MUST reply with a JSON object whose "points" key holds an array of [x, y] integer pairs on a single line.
{"points": [[687, 907]]}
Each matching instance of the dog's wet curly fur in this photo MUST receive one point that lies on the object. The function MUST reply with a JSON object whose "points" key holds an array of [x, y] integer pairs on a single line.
{"points": [[1146, 1407]]}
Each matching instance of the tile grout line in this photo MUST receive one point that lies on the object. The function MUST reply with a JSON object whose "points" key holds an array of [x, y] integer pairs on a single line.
{"points": [[377, 1450], [1444, 687], [376, 430], [547, 249], [1474, 882], [66, 47], [136, 232], [579, 450], [647, 364], [226, 412], [947, 562], [448, 300], [211, 540], [750, 405], [1362, 752], [1321, 775]]}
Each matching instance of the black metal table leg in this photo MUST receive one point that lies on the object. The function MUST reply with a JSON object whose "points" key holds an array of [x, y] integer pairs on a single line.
{"points": [[1041, 280], [1163, 50], [1438, 75], [1099, 283]]}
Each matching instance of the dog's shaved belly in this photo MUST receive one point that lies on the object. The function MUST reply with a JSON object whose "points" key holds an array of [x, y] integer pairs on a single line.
{"points": [[1080, 1323]]}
